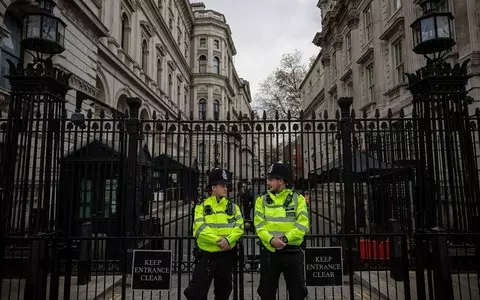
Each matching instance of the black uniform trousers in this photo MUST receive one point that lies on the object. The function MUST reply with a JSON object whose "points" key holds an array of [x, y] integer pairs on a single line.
{"points": [[216, 266], [290, 263]]}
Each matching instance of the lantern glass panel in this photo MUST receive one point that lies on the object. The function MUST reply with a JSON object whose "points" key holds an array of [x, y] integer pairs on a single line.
{"points": [[49, 28], [428, 29], [34, 24], [443, 29]]}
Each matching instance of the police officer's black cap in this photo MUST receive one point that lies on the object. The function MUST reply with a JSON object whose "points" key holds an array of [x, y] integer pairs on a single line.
{"points": [[279, 171], [218, 176]]}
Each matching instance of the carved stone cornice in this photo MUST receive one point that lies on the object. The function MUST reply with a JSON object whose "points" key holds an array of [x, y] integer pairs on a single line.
{"points": [[325, 58], [347, 76], [172, 65], [337, 42], [81, 85], [147, 28], [353, 19], [131, 5], [366, 56], [161, 49], [318, 40], [74, 10], [397, 27]]}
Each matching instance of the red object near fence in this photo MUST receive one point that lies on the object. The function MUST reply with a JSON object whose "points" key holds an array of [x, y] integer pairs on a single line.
{"points": [[374, 250]]}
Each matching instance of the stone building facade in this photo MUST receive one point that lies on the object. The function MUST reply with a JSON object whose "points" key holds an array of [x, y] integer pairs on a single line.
{"points": [[219, 93], [366, 46], [175, 56]]}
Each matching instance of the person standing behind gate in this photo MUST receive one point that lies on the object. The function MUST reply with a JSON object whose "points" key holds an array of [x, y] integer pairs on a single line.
{"points": [[281, 222], [217, 226]]}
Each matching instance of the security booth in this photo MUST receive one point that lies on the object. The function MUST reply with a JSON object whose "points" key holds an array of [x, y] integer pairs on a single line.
{"points": [[174, 179], [381, 192], [93, 183]]}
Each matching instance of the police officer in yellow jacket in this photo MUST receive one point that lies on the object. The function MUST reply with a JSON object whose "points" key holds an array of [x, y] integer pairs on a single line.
{"points": [[217, 226], [281, 222]]}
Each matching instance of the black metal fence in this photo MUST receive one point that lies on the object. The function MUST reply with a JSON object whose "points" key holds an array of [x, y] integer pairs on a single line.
{"points": [[80, 193]]}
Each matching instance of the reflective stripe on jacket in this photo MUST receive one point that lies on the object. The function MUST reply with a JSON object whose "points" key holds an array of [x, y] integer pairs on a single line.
{"points": [[211, 222], [279, 218]]}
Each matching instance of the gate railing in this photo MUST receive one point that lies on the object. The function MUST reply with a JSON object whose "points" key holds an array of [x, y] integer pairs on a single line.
{"points": [[79, 268], [131, 179]]}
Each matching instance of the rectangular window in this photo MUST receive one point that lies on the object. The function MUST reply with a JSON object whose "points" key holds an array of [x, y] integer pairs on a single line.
{"points": [[110, 197], [394, 6], [398, 62], [349, 89], [85, 209], [203, 42], [370, 80], [334, 67], [348, 47], [368, 23], [217, 44]]}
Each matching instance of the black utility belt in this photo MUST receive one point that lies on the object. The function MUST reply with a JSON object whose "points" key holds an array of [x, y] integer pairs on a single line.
{"points": [[218, 253], [288, 249]]}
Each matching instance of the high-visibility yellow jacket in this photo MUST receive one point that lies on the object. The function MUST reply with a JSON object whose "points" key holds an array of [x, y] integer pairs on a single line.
{"points": [[212, 222], [275, 217]]}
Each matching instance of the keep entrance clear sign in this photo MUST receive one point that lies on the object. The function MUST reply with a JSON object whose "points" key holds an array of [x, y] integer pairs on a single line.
{"points": [[323, 266], [151, 269]]}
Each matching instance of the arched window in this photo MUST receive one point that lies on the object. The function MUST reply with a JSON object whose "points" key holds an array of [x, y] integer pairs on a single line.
{"points": [[216, 110], [170, 87], [202, 109], [201, 152], [216, 65], [159, 72], [10, 47], [125, 32], [145, 56], [202, 62]]}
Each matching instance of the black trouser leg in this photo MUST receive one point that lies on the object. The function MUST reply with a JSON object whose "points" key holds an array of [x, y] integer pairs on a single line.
{"points": [[223, 265], [201, 280], [270, 269], [294, 275]]}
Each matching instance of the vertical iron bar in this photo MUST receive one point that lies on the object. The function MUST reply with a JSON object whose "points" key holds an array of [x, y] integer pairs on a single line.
{"points": [[349, 221], [130, 214]]}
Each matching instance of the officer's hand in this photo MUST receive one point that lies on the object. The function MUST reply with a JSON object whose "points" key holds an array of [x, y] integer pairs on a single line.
{"points": [[223, 244], [277, 243]]}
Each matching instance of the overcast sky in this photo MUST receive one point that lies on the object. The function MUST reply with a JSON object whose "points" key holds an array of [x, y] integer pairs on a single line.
{"points": [[263, 30]]}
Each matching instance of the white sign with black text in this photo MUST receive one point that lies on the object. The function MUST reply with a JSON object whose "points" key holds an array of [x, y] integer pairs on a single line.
{"points": [[323, 266], [152, 270]]}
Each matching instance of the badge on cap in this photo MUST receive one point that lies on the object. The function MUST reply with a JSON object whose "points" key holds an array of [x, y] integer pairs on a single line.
{"points": [[270, 170], [224, 175]]}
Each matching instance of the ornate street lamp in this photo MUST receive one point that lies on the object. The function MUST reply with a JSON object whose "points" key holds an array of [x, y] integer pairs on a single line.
{"points": [[441, 121], [37, 100], [42, 31], [433, 31]]}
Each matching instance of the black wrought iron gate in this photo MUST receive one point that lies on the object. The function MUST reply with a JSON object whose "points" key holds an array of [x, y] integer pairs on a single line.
{"points": [[82, 190]]}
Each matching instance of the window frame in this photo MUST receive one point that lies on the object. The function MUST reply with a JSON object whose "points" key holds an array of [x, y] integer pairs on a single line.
{"points": [[348, 47], [368, 22], [398, 67], [202, 63], [370, 82], [202, 109]]}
